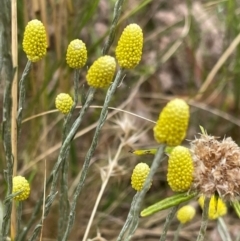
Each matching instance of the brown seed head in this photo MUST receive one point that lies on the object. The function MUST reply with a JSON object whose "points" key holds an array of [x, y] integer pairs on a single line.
{"points": [[216, 167]]}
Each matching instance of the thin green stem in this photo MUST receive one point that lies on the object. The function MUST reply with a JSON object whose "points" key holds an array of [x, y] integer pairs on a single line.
{"points": [[7, 75], [176, 235], [22, 235], [168, 221], [133, 216], [19, 219], [63, 200], [223, 230], [62, 154], [129, 219], [22, 93], [70, 136], [116, 16], [9, 158], [91, 151], [66, 125], [204, 222]]}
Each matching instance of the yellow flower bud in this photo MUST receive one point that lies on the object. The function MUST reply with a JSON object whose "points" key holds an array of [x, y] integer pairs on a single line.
{"points": [[20, 184], [76, 54], [186, 213], [64, 103], [129, 48], [100, 74], [35, 40], [139, 176], [217, 207], [180, 169], [172, 124]]}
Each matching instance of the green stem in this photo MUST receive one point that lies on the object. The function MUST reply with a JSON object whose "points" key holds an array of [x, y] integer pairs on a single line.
{"points": [[63, 149], [223, 230], [129, 219], [6, 71], [176, 235], [116, 16], [168, 221], [63, 200], [204, 222], [62, 154], [19, 218], [75, 102], [133, 216], [22, 93], [91, 151], [9, 158]]}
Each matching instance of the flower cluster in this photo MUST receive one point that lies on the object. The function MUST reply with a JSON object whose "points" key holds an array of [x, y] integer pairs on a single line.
{"points": [[129, 48], [20, 184], [76, 54], [180, 169], [186, 213], [139, 176], [64, 103], [209, 168], [35, 40], [100, 74], [217, 207], [172, 123]]}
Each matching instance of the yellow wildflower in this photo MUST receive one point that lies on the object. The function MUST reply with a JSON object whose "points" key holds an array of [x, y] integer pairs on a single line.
{"points": [[180, 169], [186, 213], [129, 48], [76, 54], [35, 40], [100, 74], [64, 103], [172, 124], [20, 184], [139, 176]]}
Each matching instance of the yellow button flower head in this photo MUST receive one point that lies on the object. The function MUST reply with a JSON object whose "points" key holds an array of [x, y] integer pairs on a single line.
{"points": [[180, 169], [172, 124], [76, 54], [139, 176], [21, 184], [100, 74], [64, 103], [35, 40], [129, 48], [186, 213], [217, 207]]}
